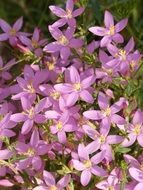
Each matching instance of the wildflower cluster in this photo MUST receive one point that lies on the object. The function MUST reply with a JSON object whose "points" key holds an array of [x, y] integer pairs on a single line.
{"points": [[67, 117]]}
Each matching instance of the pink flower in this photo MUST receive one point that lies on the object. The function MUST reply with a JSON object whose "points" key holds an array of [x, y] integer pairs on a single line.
{"points": [[111, 32], [64, 42], [88, 165], [68, 15], [12, 33], [77, 88]]}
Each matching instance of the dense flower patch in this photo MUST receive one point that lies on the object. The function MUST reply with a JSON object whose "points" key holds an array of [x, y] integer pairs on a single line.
{"points": [[68, 117]]}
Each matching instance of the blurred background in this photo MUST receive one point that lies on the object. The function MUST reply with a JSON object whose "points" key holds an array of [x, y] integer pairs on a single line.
{"points": [[36, 13]]}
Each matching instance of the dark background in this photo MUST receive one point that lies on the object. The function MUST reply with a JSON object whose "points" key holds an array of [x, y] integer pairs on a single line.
{"points": [[36, 13]]}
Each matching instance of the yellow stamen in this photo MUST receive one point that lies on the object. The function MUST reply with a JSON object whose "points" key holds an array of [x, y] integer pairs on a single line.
{"points": [[59, 125], [106, 112], [55, 95], [35, 44], [30, 87], [69, 13], [53, 188], [122, 54], [111, 30], [137, 129], [30, 152], [102, 139], [50, 65], [87, 163], [77, 86], [63, 40], [12, 32]]}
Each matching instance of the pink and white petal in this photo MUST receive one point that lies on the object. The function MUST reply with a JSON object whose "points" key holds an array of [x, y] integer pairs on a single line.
{"points": [[41, 188], [86, 96], [78, 165], [139, 186], [92, 133], [69, 5], [57, 11], [5, 154], [121, 25], [4, 26], [36, 34], [93, 146], [97, 158], [118, 38], [140, 140], [129, 141], [52, 47], [18, 24], [96, 170], [39, 118], [37, 162], [99, 31], [6, 183], [108, 19], [78, 12], [65, 53], [105, 126], [136, 174], [64, 88], [62, 137], [64, 181], [59, 23], [138, 117], [87, 82], [53, 129], [34, 140], [71, 22], [103, 101], [85, 177], [8, 133], [48, 178], [72, 99], [3, 37], [51, 114], [18, 117], [118, 119], [103, 185], [130, 45], [93, 114], [82, 152], [27, 126], [114, 139], [74, 75], [105, 41], [76, 43]]}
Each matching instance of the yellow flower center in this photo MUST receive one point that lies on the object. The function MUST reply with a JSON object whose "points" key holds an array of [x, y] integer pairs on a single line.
{"points": [[63, 40], [53, 188], [87, 163], [34, 44], [30, 152], [50, 65], [111, 188], [106, 112], [102, 139], [69, 13], [77, 86], [29, 112], [12, 32], [111, 30], [59, 125], [55, 95], [137, 129], [122, 54], [30, 87]]}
